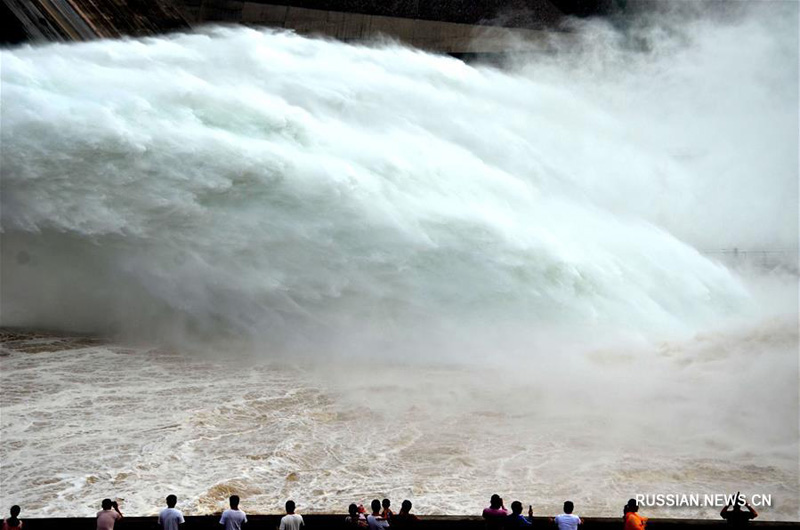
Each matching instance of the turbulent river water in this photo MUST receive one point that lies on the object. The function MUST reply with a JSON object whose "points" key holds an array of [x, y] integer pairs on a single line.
{"points": [[289, 267]]}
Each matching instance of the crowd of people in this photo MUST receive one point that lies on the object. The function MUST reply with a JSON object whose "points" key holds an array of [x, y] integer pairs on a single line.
{"points": [[496, 516], [381, 517]]}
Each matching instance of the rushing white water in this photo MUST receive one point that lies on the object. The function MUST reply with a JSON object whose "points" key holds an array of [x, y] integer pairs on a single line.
{"points": [[257, 196]]}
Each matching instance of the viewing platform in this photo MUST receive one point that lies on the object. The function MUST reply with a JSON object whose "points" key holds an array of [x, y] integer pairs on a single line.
{"points": [[426, 522]]}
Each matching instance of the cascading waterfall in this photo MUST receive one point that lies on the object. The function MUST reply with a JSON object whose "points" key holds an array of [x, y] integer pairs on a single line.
{"points": [[302, 197]]}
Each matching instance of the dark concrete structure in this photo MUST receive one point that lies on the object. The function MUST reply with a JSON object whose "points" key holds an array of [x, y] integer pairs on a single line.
{"points": [[336, 522], [452, 26], [440, 36], [531, 14]]}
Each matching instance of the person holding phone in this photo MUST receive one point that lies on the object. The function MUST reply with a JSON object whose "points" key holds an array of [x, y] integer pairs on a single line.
{"points": [[516, 519], [495, 515], [737, 517]]}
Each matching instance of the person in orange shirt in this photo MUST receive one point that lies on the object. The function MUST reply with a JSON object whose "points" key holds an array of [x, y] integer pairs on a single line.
{"points": [[633, 521], [387, 513]]}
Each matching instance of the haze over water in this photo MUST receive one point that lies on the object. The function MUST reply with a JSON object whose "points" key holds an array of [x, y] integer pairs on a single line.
{"points": [[334, 273]]}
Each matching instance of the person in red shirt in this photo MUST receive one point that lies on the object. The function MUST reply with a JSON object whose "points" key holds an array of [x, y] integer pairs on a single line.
{"points": [[355, 520], [495, 515], [13, 522]]}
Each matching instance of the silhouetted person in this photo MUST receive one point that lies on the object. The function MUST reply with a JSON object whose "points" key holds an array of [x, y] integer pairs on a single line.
{"points": [[234, 518], [108, 515], [355, 520], [632, 519], [516, 519], [375, 521], [291, 521], [567, 521], [495, 515], [170, 517], [13, 521], [627, 508], [404, 519], [737, 517], [387, 513]]}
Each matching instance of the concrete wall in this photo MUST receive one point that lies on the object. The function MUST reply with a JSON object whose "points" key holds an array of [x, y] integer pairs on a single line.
{"points": [[75, 20], [336, 522], [532, 14], [447, 37]]}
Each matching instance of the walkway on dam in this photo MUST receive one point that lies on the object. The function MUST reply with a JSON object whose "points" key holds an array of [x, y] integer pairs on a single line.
{"points": [[442, 522]]}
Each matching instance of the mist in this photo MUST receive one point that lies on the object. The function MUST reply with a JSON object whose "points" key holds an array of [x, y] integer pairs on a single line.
{"points": [[516, 263], [307, 194]]}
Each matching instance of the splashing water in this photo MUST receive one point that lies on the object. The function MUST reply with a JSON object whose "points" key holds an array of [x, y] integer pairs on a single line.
{"points": [[245, 190]]}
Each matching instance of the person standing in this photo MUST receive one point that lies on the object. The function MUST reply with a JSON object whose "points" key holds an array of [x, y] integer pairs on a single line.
{"points": [[567, 520], [495, 515], [632, 519], [170, 517], [234, 518], [13, 522], [516, 519], [109, 515], [291, 521], [355, 520], [736, 517], [387, 512], [404, 519], [375, 521]]}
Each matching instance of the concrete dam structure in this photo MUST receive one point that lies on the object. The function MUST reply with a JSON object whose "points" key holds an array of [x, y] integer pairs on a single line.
{"points": [[336, 522], [460, 27]]}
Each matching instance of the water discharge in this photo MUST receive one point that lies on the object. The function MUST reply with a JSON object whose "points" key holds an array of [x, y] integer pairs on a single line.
{"points": [[375, 271]]}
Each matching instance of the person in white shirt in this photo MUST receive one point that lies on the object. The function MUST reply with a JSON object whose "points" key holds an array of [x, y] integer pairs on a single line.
{"points": [[568, 521], [291, 521], [170, 517], [234, 518], [375, 521]]}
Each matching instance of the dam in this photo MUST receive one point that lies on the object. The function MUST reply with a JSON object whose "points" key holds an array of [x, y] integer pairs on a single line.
{"points": [[303, 251], [336, 522], [458, 27]]}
